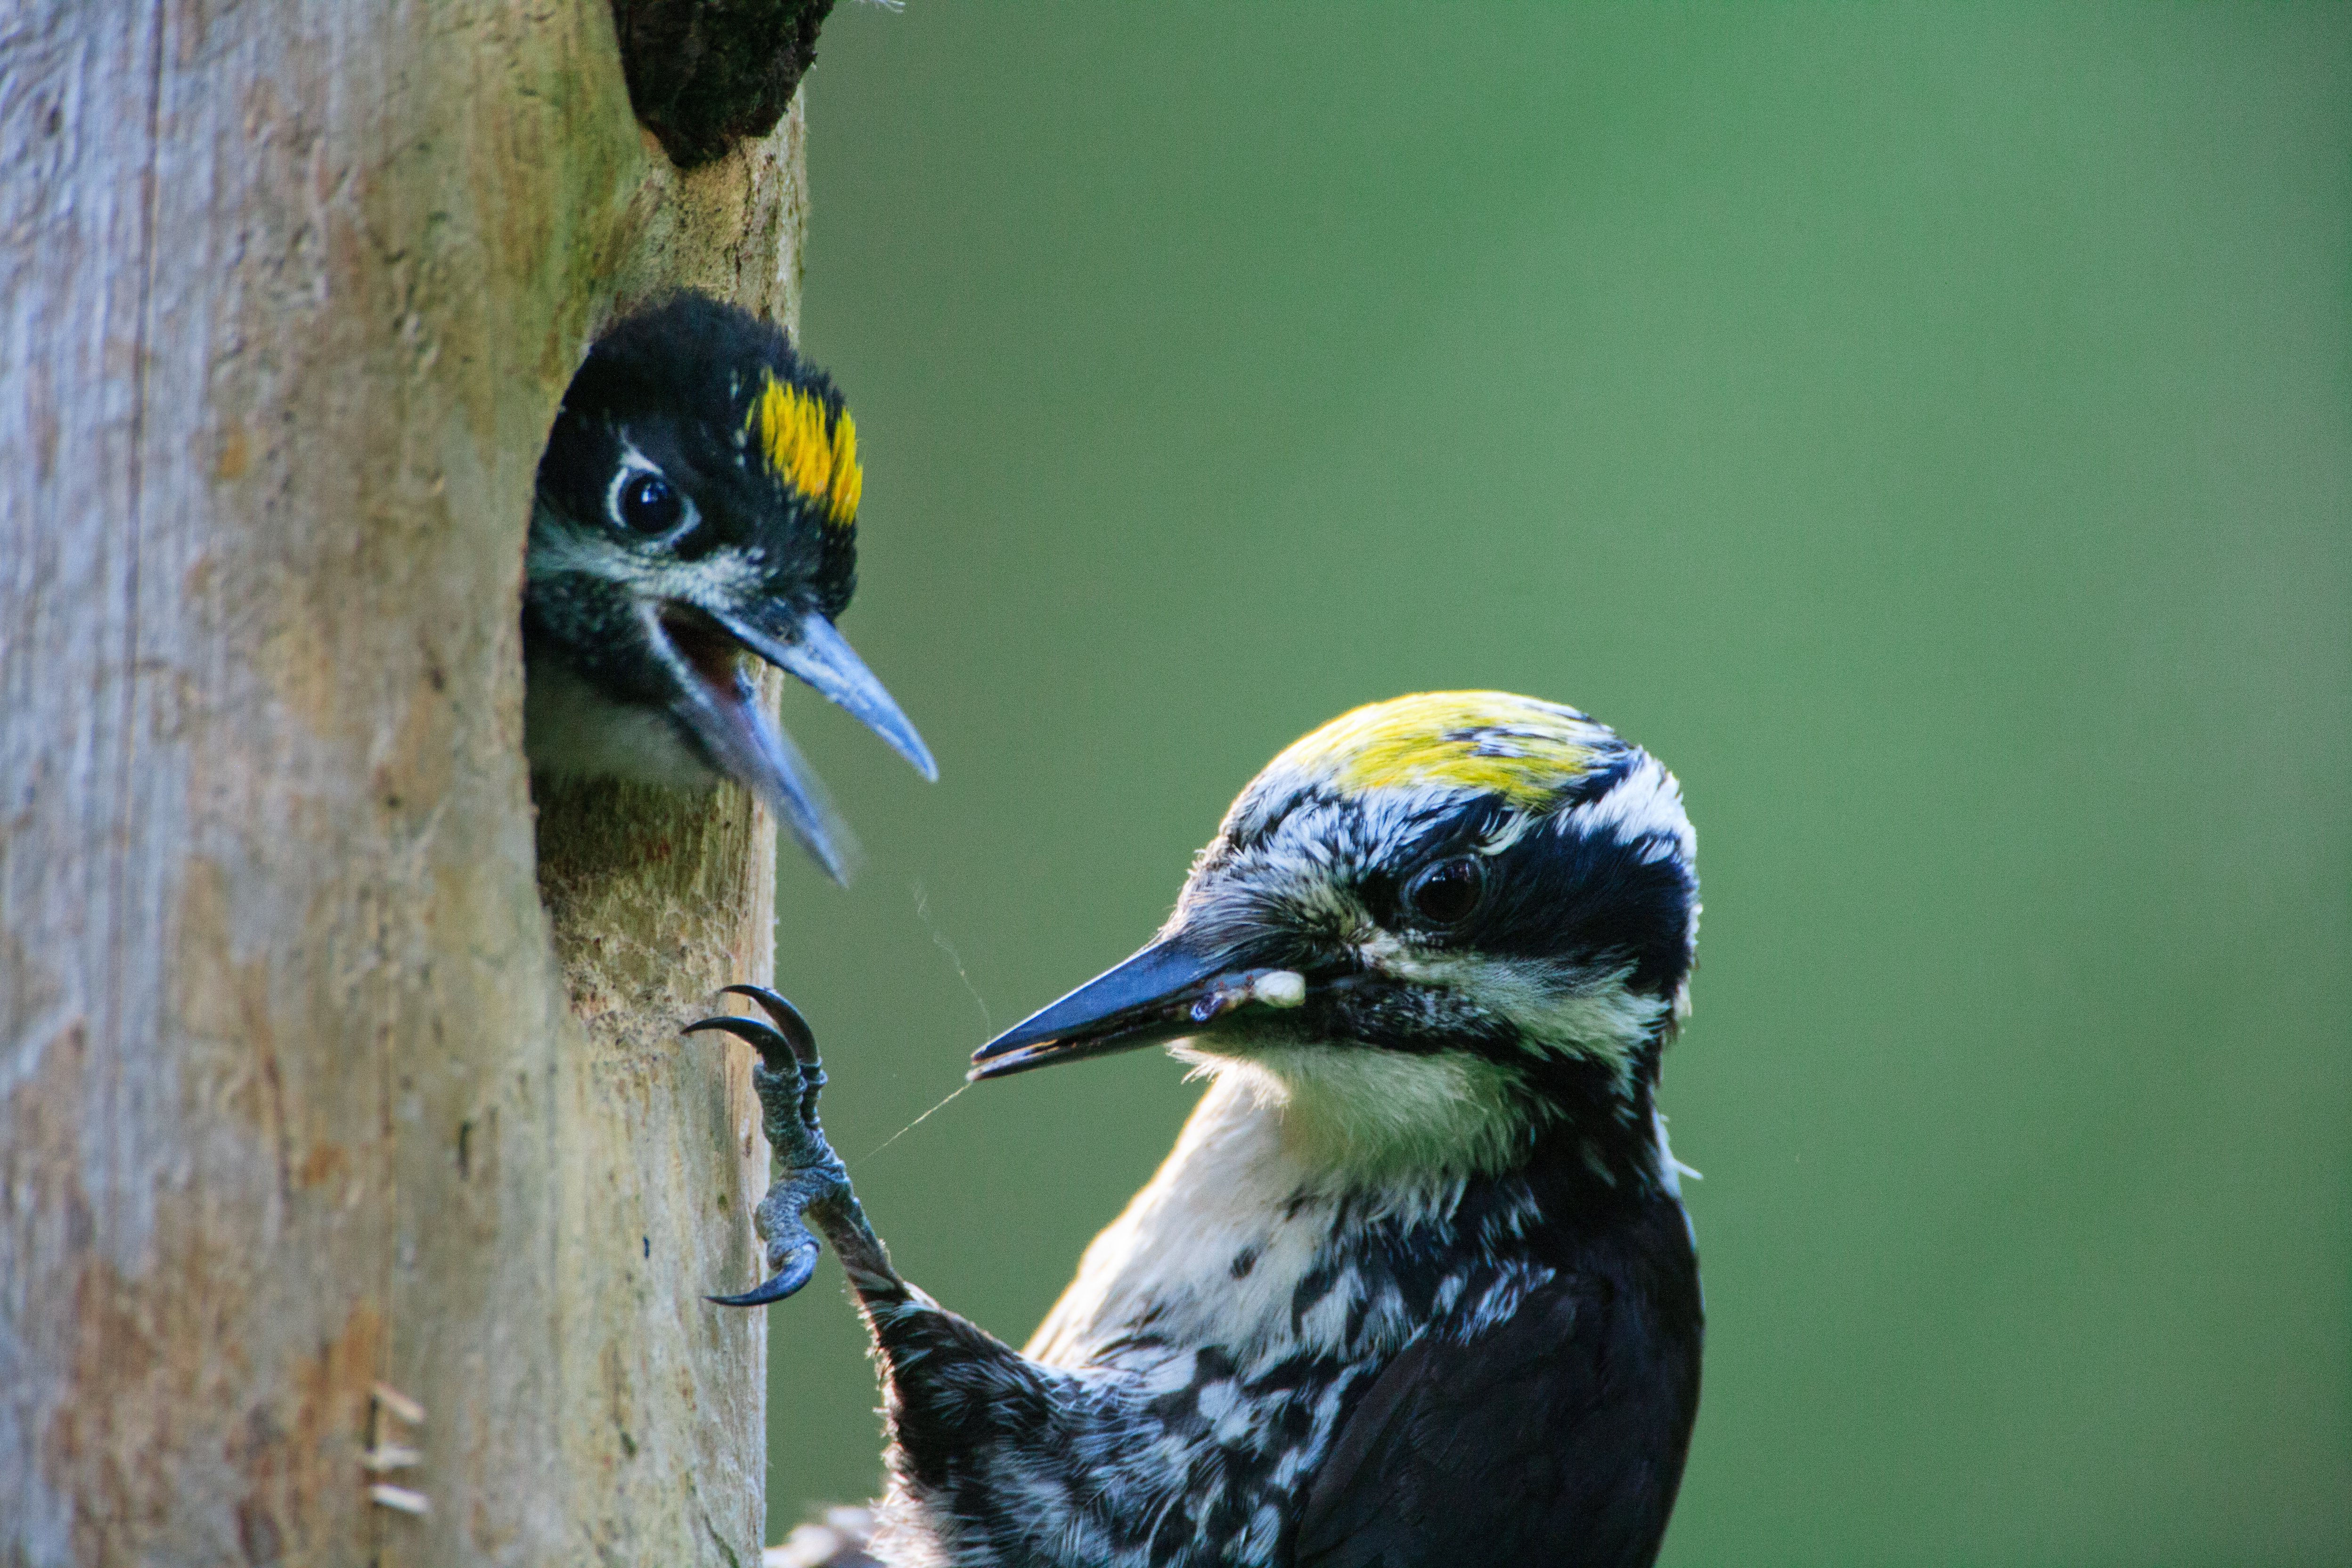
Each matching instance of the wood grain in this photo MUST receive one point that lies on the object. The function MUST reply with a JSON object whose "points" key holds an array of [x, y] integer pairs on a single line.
{"points": [[301, 1087]]}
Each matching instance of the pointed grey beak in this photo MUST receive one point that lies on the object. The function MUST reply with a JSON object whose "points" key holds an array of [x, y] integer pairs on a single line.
{"points": [[718, 702], [1170, 989], [744, 738], [805, 644]]}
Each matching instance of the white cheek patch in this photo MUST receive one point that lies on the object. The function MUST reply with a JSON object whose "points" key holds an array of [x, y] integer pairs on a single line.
{"points": [[1592, 1016], [559, 545], [723, 577]]}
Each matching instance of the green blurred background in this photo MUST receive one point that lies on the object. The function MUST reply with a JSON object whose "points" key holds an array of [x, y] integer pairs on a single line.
{"points": [[1930, 430]]}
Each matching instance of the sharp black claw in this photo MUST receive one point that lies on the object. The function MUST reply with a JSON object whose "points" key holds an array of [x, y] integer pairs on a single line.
{"points": [[760, 1296], [775, 1049], [786, 1016], [788, 1280]]}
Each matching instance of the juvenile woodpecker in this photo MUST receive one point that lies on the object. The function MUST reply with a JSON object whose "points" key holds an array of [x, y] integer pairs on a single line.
{"points": [[1415, 1287], [697, 501]]}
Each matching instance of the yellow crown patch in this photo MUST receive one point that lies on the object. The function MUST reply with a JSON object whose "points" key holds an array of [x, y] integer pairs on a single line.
{"points": [[1490, 741], [818, 456]]}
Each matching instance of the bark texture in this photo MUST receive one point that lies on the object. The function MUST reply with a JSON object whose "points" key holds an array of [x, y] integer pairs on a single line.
{"points": [[301, 1087]]}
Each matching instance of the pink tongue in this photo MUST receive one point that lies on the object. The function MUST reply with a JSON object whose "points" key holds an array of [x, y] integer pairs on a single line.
{"points": [[706, 644]]}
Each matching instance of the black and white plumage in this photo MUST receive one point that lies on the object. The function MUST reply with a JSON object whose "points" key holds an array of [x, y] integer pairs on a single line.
{"points": [[696, 504], [1415, 1286]]}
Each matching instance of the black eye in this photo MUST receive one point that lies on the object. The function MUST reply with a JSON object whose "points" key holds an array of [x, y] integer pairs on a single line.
{"points": [[649, 505], [1445, 893]]}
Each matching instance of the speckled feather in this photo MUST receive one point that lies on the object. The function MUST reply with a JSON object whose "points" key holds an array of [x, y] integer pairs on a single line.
{"points": [[1415, 1286]]}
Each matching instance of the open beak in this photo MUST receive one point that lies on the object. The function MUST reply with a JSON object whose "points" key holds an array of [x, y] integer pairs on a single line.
{"points": [[805, 644], [1170, 989], [720, 701]]}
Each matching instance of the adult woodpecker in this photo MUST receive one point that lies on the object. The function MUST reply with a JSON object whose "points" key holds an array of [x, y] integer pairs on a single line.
{"points": [[1416, 1286], [698, 502]]}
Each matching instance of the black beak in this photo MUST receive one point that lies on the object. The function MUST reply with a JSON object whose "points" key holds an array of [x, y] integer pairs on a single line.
{"points": [[1170, 989]]}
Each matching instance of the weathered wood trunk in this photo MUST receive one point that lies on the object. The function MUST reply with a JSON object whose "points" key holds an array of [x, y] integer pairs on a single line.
{"points": [[301, 1088]]}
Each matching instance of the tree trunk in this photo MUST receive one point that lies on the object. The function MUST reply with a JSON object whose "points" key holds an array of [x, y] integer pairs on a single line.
{"points": [[291, 1100]]}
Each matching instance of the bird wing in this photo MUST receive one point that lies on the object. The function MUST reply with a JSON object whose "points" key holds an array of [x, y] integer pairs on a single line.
{"points": [[1556, 1438]]}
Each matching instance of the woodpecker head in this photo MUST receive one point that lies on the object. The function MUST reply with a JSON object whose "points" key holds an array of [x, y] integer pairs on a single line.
{"points": [[698, 502], [1432, 931]]}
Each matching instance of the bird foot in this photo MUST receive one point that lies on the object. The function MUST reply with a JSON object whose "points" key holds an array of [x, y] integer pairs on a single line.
{"points": [[787, 1077]]}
